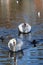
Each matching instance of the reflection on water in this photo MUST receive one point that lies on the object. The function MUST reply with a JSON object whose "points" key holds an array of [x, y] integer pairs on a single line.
{"points": [[30, 56], [11, 15], [25, 36], [24, 11]]}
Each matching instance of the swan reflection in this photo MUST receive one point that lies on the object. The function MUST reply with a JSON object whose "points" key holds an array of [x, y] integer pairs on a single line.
{"points": [[25, 36], [16, 56]]}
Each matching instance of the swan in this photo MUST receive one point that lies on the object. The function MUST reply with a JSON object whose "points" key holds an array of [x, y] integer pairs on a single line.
{"points": [[15, 45], [24, 28]]}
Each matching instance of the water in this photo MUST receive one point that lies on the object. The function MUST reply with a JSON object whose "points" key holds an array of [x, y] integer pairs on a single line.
{"points": [[11, 15]]}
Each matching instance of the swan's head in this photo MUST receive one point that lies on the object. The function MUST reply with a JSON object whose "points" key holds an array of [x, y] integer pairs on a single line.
{"points": [[24, 24], [14, 41]]}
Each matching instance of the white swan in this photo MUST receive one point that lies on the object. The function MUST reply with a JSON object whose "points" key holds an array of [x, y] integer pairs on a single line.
{"points": [[15, 45], [24, 28]]}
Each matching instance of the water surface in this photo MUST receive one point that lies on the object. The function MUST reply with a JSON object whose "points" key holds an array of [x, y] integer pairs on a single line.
{"points": [[11, 15]]}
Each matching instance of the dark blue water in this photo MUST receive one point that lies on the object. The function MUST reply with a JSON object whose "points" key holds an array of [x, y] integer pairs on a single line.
{"points": [[12, 14], [30, 55]]}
